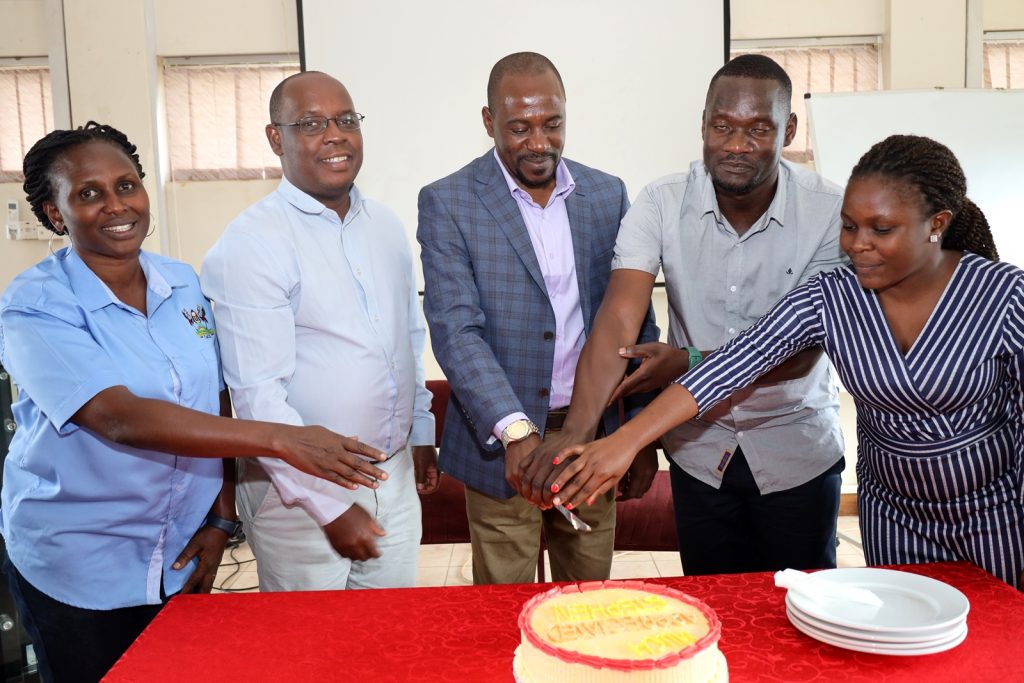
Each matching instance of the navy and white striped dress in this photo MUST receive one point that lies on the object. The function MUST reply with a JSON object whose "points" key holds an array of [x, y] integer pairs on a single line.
{"points": [[939, 429]]}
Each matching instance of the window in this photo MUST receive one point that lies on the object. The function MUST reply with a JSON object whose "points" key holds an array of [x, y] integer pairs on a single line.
{"points": [[216, 115], [26, 114], [839, 68], [1004, 63]]}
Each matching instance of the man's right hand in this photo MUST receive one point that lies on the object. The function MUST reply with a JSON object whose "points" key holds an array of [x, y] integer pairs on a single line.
{"points": [[322, 453], [517, 460], [354, 534], [541, 473]]}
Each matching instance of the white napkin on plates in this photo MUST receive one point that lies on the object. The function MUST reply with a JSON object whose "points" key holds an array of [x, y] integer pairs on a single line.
{"points": [[822, 590]]}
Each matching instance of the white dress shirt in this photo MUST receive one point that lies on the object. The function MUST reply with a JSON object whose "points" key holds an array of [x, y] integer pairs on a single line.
{"points": [[320, 324]]}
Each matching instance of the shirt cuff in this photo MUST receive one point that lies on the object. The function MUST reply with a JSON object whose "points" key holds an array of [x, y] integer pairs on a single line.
{"points": [[422, 433], [647, 265], [505, 422], [322, 500]]}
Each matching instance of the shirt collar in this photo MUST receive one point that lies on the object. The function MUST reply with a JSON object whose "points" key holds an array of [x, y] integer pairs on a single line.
{"points": [[310, 205], [94, 293], [564, 183], [776, 210]]}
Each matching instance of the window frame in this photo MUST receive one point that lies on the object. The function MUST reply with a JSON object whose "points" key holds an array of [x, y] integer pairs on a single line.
{"points": [[175, 148], [769, 45], [13, 174]]}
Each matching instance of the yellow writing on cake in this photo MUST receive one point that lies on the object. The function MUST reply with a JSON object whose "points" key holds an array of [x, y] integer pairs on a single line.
{"points": [[660, 643], [623, 607], [562, 632]]}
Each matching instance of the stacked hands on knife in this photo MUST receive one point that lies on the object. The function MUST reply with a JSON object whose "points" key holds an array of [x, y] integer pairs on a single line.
{"points": [[570, 468]]}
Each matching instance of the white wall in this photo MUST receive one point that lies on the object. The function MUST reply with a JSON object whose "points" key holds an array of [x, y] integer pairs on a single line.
{"points": [[187, 28], [1003, 15], [22, 28], [757, 20]]}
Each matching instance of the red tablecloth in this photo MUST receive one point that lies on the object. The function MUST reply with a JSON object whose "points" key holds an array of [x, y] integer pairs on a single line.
{"points": [[468, 634]]}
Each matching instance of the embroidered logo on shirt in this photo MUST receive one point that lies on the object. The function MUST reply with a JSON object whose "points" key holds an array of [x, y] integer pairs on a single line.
{"points": [[789, 271], [724, 462], [196, 317]]}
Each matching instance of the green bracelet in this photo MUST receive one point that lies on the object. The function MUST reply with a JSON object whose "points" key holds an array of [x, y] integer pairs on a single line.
{"points": [[695, 356]]}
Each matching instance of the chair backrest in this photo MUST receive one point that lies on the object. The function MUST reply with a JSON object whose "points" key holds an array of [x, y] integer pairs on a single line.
{"points": [[648, 523], [444, 511]]}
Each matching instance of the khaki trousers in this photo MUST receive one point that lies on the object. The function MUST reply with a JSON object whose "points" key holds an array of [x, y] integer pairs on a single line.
{"points": [[506, 539]]}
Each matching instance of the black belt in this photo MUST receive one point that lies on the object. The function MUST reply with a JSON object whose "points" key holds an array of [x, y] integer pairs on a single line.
{"points": [[556, 418]]}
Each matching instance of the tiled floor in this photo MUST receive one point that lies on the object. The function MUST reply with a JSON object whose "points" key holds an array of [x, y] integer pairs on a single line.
{"points": [[451, 564]]}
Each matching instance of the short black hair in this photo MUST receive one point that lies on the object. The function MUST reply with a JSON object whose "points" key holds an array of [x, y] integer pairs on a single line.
{"points": [[931, 168], [40, 160], [517, 64], [277, 96], [758, 67]]}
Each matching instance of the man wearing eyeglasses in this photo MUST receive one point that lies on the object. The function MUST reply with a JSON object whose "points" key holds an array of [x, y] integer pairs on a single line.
{"points": [[319, 323], [516, 250]]}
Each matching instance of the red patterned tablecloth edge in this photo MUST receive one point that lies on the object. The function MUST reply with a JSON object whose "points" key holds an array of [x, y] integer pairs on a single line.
{"points": [[468, 634]]}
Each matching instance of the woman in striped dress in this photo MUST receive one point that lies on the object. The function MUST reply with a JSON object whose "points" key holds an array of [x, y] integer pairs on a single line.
{"points": [[926, 330]]}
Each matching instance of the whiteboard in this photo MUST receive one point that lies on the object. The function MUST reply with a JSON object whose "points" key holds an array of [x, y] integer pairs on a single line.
{"points": [[982, 127], [635, 78]]}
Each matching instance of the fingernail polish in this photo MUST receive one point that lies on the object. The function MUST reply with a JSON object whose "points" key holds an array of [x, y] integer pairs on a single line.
{"points": [[554, 488]]}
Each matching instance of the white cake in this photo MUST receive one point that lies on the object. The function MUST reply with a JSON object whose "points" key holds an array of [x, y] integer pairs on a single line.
{"points": [[618, 632]]}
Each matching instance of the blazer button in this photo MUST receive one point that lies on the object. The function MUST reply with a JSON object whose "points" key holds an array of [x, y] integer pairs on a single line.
{"points": [[543, 392], [549, 335]]}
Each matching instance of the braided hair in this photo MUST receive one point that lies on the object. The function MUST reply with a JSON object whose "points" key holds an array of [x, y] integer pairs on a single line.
{"points": [[933, 170], [40, 160]]}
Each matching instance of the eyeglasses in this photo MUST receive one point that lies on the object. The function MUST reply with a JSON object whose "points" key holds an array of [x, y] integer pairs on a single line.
{"points": [[314, 125]]}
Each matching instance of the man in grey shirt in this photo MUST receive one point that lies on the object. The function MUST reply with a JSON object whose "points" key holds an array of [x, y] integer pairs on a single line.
{"points": [[756, 481]]}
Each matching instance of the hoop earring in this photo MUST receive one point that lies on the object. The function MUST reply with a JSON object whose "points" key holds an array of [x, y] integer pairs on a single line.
{"points": [[152, 224], [49, 243]]}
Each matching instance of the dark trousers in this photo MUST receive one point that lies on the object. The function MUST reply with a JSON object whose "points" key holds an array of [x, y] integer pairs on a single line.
{"points": [[735, 529], [73, 644]]}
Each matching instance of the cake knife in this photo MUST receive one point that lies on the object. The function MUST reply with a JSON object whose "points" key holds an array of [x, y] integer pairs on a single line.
{"points": [[577, 523]]}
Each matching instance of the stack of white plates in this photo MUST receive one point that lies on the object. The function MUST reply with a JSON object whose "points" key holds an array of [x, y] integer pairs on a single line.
{"points": [[918, 615]]}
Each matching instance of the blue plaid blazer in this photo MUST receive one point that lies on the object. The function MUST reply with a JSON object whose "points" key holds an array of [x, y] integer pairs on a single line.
{"points": [[487, 306]]}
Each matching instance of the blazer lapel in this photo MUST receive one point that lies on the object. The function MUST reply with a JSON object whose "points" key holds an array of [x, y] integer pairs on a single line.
{"points": [[495, 196], [578, 209]]}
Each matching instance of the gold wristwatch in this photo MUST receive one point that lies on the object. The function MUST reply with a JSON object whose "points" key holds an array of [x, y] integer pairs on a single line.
{"points": [[517, 431]]}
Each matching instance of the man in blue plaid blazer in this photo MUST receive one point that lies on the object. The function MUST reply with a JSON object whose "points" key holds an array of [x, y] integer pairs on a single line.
{"points": [[517, 249]]}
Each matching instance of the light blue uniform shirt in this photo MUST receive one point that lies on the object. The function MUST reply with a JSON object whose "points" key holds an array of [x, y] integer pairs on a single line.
{"points": [[89, 522]]}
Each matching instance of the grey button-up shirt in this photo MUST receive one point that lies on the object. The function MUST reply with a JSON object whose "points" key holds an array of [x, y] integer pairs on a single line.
{"points": [[718, 284]]}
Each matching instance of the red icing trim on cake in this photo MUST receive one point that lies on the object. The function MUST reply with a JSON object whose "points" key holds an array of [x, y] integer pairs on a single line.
{"points": [[664, 662]]}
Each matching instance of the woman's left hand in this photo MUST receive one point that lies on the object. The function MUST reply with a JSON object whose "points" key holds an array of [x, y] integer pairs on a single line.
{"points": [[597, 468], [208, 545]]}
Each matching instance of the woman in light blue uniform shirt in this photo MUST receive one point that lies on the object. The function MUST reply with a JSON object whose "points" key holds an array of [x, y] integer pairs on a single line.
{"points": [[116, 491]]}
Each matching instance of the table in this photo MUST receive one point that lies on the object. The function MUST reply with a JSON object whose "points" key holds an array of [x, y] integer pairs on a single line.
{"points": [[468, 634]]}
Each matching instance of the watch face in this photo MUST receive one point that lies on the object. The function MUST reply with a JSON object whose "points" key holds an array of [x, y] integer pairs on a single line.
{"points": [[518, 430]]}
